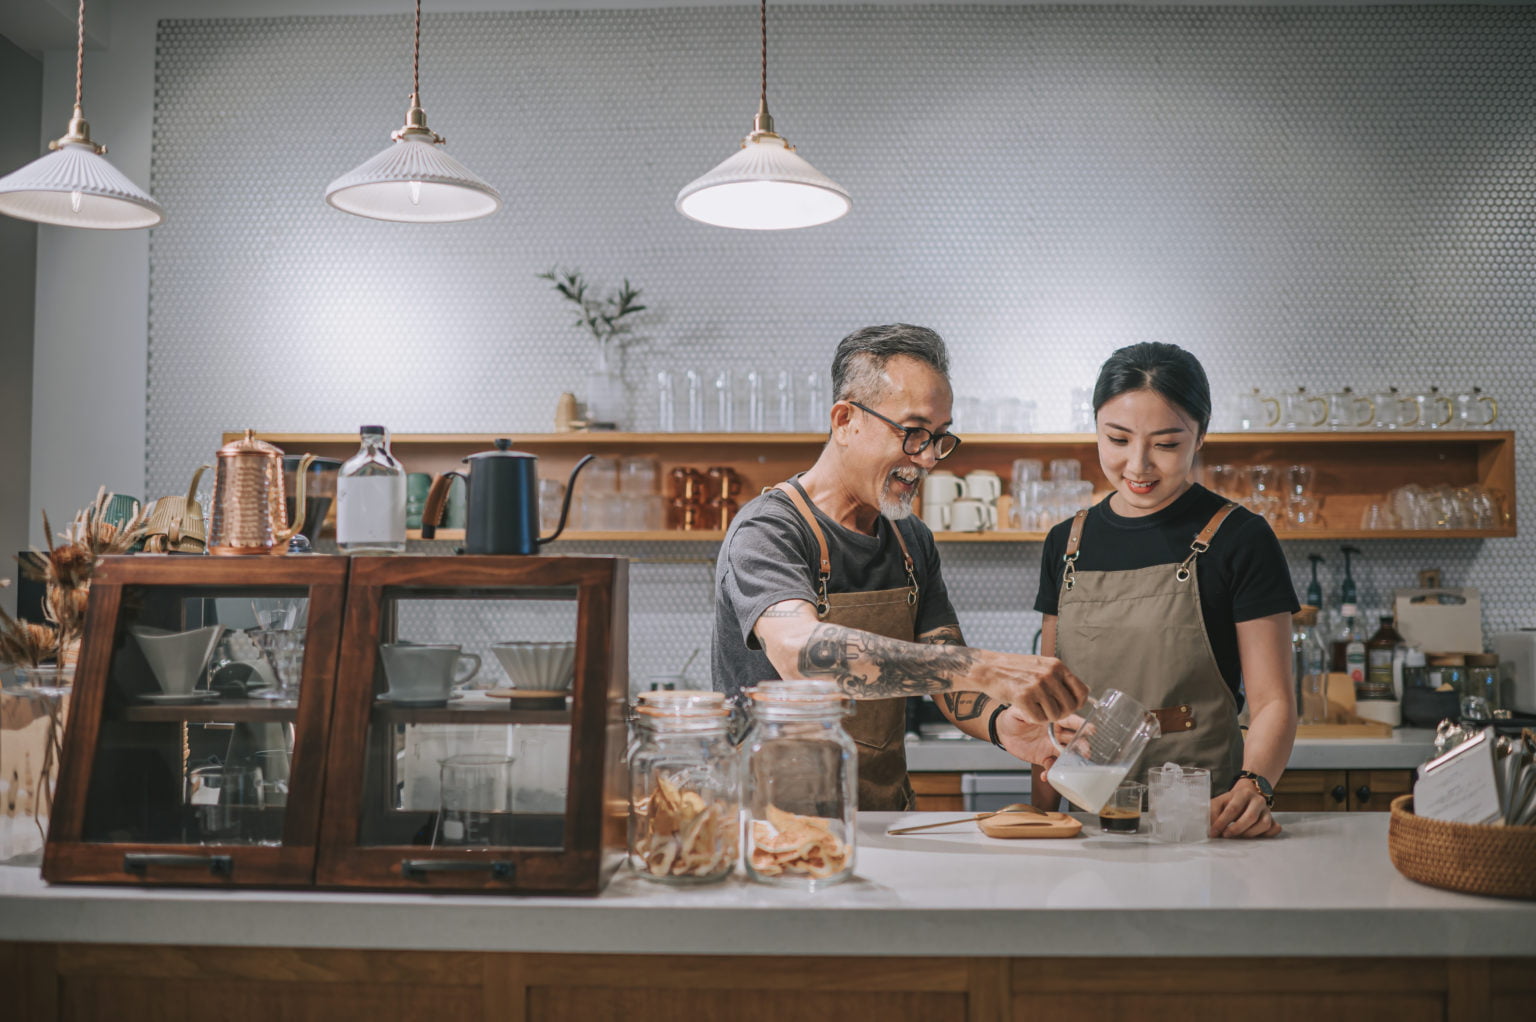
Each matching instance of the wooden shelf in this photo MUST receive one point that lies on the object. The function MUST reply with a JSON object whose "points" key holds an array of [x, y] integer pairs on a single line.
{"points": [[1352, 468], [226, 711], [457, 713]]}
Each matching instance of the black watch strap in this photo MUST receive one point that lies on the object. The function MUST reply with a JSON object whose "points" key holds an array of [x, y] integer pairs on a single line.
{"points": [[992, 725], [1265, 788]]}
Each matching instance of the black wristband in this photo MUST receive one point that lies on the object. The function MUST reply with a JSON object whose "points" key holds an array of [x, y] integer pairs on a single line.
{"points": [[992, 725]]}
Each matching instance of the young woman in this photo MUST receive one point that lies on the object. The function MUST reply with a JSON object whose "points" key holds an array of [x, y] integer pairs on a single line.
{"points": [[1175, 596]]}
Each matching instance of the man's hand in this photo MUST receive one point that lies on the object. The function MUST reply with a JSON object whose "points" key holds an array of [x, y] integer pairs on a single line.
{"points": [[1028, 740], [1038, 688]]}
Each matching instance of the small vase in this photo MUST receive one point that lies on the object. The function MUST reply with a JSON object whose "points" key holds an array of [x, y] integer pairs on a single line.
{"points": [[33, 712], [607, 396]]}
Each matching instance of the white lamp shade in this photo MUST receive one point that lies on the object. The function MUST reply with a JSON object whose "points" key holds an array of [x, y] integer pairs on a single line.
{"points": [[413, 181], [765, 186], [74, 187]]}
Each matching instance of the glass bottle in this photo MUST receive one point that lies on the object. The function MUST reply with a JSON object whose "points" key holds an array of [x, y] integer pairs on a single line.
{"points": [[1379, 649], [799, 785], [1309, 667], [370, 498], [684, 788], [1344, 634]]}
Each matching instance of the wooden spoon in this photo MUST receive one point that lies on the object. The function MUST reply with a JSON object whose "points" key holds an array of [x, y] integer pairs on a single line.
{"points": [[1017, 807]]}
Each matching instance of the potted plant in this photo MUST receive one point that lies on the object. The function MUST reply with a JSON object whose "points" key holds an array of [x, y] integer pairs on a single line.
{"points": [[606, 317]]}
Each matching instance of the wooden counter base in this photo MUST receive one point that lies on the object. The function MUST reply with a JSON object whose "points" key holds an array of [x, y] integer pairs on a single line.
{"points": [[130, 983]]}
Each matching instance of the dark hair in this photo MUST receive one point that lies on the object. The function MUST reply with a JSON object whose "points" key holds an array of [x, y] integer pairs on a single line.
{"points": [[859, 365], [1165, 369]]}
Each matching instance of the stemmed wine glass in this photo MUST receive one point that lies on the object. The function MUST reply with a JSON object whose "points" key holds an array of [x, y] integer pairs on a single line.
{"points": [[279, 634]]}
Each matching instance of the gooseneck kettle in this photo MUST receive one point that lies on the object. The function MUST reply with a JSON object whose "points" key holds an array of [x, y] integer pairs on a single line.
{"points": [[503, 502]]}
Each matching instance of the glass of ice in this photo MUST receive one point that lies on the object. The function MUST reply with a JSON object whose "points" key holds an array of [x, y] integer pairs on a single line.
{"points": [[1179, 803]]}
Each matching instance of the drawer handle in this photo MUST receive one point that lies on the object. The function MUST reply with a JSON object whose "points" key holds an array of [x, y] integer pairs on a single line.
{"points": [[1340, 793], [139, 862], [499, 869], [1363, 793]]}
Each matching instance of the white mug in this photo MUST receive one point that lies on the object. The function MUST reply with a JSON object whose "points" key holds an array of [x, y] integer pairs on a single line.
{"points": [[942, 487], [968, 514], [984, 485], [936, 516]]}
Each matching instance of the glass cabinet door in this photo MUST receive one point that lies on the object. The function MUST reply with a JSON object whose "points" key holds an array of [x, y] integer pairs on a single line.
{"points": [[202, 693], [479, 723]]}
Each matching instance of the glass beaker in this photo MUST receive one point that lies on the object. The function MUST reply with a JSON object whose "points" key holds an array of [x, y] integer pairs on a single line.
{"points": [[1105, 748], [799, 785], [684, 788], [224, 799], [477, 802]]}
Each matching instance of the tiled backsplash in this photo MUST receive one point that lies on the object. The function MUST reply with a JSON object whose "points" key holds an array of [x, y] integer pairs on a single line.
{"points": [[1307, 195]]}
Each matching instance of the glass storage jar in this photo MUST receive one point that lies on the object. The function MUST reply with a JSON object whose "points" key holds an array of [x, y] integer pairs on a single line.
{"points": [[799, 785], [1482, 678], [684, 789]]}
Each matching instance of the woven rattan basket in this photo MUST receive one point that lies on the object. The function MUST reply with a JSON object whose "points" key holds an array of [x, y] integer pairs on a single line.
{"points": [[1468, 857]]}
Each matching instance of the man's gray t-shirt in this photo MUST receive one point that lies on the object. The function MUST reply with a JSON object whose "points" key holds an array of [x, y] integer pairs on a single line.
{"points": [[770, 555]]}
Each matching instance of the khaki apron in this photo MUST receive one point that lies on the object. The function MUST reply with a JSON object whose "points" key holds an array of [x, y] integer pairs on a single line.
{"points": [[878, 726], [1141, 631]]}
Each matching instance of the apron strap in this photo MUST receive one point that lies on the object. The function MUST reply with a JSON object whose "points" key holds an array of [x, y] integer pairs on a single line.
{"points": [[1074, 540], [1202, 541], [824, 570]]}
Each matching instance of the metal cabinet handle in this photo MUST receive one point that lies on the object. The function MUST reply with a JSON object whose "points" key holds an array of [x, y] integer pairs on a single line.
{"points": [[1340, 793], [1363, 793], [499, 869], [139, 862]]}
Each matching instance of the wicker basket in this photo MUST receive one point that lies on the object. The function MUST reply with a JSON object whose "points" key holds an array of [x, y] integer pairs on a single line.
{"points": [[1468, 857]]}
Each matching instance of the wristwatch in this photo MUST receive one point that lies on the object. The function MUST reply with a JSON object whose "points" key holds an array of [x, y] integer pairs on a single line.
{"points": [[1265, 788]]}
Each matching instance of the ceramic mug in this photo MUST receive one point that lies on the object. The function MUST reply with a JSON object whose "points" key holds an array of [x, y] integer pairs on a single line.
{"points": [[942, 487], [424, 673], [969, 514], [983, 485], [936, 516]]}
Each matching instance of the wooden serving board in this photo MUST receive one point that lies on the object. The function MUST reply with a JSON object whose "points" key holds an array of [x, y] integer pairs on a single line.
{"points": [[1020, 825]]}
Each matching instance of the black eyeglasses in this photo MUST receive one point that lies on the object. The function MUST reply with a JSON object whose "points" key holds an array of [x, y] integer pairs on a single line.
{"points": [[915, 439]]}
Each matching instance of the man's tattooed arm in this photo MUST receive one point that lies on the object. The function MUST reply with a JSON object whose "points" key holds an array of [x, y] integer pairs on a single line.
{"points": [[869, 666], [958, 706]]}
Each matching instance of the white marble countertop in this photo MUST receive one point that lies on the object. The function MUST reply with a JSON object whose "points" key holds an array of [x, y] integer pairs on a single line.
{"points": [[1406, 749], [1324, 887]]}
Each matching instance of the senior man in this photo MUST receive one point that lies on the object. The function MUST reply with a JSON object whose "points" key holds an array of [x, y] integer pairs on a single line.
{"points": [[830, 575]]}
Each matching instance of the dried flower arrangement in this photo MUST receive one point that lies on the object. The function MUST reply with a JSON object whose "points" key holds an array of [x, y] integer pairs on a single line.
{"points": [[67, 568]]}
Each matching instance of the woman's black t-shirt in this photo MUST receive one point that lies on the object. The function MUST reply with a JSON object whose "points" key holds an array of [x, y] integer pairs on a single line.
{"points": [[1243, 576]]}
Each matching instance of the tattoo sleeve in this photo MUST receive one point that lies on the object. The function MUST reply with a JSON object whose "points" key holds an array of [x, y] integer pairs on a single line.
{"points": [[868, 666], [961, 705]]}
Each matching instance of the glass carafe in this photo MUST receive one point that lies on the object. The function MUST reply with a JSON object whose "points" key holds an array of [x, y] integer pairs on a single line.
{"points": [[1103, 751], [1302, 410], [684, 789], [1394, 410], [799, 785]]}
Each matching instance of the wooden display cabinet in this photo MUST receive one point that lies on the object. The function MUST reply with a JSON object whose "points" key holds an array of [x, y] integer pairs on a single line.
{"points": [[1353, 468], [387, 826], [124, 811]]}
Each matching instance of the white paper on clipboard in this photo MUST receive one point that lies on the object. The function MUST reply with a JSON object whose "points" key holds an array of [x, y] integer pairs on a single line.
{"points": [[1441, 620]]}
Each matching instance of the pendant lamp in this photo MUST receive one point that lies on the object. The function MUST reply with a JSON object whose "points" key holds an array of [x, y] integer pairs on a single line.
{"points": [[413, 181], [766, 185], [73, 186]]}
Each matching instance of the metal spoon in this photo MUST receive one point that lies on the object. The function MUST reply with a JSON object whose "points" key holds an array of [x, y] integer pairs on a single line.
{"points": [[1017, 807]]}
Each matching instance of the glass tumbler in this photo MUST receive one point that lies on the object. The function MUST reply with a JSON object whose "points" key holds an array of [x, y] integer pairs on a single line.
{"points": [[1179, 802], [666, 401], [224, 799], [799, 785]]}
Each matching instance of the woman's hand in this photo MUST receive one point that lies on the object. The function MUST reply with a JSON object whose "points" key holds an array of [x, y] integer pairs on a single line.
{"points": [[1242, 812]]}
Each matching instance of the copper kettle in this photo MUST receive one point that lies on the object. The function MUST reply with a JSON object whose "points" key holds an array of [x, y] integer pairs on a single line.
{"points": [[247, 509]]}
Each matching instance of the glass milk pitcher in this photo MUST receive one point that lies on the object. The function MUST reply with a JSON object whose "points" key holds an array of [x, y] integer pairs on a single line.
{"points": [[1103, 751]]}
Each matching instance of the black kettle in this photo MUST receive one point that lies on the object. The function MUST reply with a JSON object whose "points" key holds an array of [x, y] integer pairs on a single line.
{"points": [[503, 501]]}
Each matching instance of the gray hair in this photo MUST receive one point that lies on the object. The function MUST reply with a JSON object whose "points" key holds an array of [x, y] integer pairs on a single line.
{"points": [[858, 368]]}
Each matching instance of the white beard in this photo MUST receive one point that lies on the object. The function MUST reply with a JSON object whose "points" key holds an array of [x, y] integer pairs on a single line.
{"points": [[897, 508]]}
